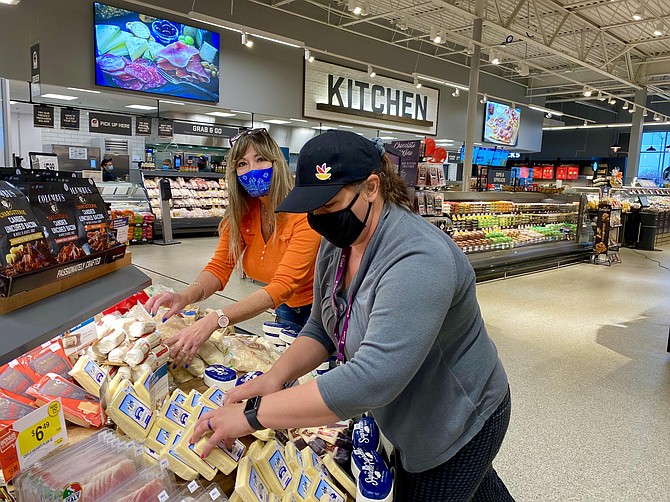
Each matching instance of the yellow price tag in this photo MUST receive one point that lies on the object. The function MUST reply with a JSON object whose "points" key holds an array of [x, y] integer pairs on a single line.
{"points": [[41, 432]]}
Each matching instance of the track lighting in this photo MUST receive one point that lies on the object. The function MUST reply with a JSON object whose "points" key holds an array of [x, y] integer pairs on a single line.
{"points": [[586, 123], [484, 99], [358, 7], [548, 115], [612, 100], [523, 69], [371, 72], [601, 96], [625, 105], [632, 109], [494, 58], [658, 31], [308, 56], [638, 15], [435, 35], [645, 112], [456, 93], [587, 92], [416, 82], [246, 40], [657, 117], [615, 147]]}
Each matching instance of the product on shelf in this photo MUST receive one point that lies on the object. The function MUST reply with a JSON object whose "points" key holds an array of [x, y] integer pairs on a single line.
{"points": [[191, 197], [91, 213]]}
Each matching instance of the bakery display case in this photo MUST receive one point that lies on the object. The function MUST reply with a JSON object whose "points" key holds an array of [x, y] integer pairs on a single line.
{"points": [[198, 200], [510, 233]]}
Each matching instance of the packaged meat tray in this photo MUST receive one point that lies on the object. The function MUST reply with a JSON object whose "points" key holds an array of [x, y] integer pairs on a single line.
{"points": [[11, 409], [79, 406], [14, 381], [48, 358]]}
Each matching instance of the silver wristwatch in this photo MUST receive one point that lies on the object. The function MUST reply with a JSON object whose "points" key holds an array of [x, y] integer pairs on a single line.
{"points": [[223, 319]]}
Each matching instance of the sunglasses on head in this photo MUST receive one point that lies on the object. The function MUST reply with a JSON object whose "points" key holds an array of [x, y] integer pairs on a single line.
{"points": [[251, 132]]}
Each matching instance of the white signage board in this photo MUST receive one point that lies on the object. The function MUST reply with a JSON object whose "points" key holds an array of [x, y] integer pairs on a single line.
{"points": [[340, 94]]}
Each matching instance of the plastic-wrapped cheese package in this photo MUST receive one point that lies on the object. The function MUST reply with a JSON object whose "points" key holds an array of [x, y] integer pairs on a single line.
{"points": [[79, 406], [15, 381], [93, 352], [197, 367], [137, 352], [111, 341], [49, 358], [133, 416], [249, 353], [180, 374], [11, 409], [88, 374], [141, 328], [210, 353], [118, 354]]}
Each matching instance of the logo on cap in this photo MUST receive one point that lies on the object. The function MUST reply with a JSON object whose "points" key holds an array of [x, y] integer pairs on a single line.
{"points": [[323, 172]]}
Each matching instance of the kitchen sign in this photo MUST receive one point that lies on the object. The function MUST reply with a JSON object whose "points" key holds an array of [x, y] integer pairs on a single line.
{"points": [[142, 126], [107, 123], [43, 116], [69, 119], [338, 93], [200, 129]]}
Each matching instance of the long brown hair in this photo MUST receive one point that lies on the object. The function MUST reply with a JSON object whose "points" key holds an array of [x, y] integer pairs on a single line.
{"points": [[238, 199], [392, 185]]}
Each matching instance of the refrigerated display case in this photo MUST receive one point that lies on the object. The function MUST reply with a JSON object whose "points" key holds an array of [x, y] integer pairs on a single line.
{"points": [[505, 234]]}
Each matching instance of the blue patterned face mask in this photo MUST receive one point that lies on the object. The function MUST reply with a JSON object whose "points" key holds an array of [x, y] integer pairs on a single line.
{"points": [[256, 182]]}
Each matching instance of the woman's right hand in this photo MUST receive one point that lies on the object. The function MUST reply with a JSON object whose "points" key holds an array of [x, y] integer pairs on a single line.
{"points": [[174, 301], [263, 385]]}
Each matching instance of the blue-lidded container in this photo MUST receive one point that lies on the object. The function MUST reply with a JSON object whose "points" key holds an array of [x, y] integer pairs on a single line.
{"points": [[366, 434], [248, 377], [360, 458], [220, 376], [375, 483], [288, 335]]}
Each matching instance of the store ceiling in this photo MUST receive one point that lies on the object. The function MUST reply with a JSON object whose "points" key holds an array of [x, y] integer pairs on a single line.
{"points": [[614, 46]]}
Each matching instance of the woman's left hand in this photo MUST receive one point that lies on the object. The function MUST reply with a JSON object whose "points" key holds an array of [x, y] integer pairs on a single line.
{"points": [[185, 344], [226, 424]]}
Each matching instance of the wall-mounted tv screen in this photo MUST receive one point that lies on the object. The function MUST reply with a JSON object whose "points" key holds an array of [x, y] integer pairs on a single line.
{"points": [[500, 158], [487, 156], [501, 123], [138, 52]]}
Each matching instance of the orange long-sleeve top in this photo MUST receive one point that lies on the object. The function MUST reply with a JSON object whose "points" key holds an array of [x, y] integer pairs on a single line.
{"points": [[285, 263]]}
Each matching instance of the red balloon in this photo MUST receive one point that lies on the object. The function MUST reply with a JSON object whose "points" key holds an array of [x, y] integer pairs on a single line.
{"points": [[430, 146], [439, 155]]}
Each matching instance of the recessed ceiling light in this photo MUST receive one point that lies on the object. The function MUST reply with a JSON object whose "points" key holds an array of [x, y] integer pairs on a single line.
{"points": [[587, 92], [10, 2], [638, 15], [278, 121], [658, 31], [178, 103], [346, 127], [83, 90], [298, 120], [220, 114], [142, 107], [59, 96], [240, 111], [387, 138]]}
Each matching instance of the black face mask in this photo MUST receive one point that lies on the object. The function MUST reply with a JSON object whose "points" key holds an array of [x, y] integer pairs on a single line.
{"points": [[340, 228]]}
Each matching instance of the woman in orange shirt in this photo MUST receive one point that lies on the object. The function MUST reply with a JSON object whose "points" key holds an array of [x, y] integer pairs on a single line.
{"points": [[276, 249]]}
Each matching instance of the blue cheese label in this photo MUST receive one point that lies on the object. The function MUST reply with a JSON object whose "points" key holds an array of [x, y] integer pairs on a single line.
{"points": [[235, 452], [303, 486], [325, 488], [248, 377], [194, 399], [204, 410], [177, 414], [257, 486], [279, 467], [180, 398], [163, 437], [94, 371], [192, 448], [217, 397], [135, 410], [366, 434]]}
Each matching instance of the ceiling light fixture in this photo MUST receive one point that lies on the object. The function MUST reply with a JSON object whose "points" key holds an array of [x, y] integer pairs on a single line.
{"points": [[371, 72], [658, 32], [78, 89], [308, 56], [545, 110], [240, 111], [612, 100], [10, 2], [548, 115], [277, 121], [220, 114], [456, 93], [632, 109], [484, 99], [625, 105], [435, 36], [615, 147], [416, 82], [645, 112], [657, 117], [59, 96], [586, 123], [523, 69], [638, 15], [142, 107], [246, 40], [494, 58], [298, 120], [587, 92], [601, 96]]}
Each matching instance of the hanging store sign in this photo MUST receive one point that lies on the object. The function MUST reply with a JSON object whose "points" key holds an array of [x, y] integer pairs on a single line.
{"points": [[409, 160], [35, 87], [337, 93], [200, 129], [107, 123], [69, 119], [142, 126], [499, 175], [43, 116], [165, 128]]}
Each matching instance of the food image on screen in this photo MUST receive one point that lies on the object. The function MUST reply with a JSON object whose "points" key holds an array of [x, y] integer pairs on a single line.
{"points": [[501, 123], [143, 53]]}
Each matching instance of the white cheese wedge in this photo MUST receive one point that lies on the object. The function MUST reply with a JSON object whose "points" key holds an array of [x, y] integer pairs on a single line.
{"points": [[142, 386], [264, 434], [250, 484], [136, 47], [235, 498], [104, 34], [272, 464], [299, 487], [225, 459], [323, 487], [192, 400], [88, 374], [133, 416], [176, 464], [185, 450], [199, 411], [215, 396], [293, 457], [179, 397], [340, 475], [312, 464], [173, 416], [158, 438]]}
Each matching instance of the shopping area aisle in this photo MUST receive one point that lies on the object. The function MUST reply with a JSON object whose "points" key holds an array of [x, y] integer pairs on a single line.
{"points": [[585, 350]]}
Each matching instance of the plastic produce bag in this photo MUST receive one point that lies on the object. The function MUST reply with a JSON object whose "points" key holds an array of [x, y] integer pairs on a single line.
{"points": [[249, 353]]}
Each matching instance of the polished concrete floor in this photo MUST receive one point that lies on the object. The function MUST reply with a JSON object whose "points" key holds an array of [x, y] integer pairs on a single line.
{"points": [[585, 350]]}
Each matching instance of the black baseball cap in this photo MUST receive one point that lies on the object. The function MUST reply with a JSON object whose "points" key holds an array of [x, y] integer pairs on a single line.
{"points": [[327, 163]]}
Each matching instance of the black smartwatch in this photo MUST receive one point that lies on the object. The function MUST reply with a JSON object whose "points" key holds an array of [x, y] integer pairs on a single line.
{"points": [[251, 410]]}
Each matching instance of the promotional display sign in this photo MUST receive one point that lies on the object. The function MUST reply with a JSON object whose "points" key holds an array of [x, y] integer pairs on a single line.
{"points": [[35, 87], [338, 93], [139, 52], [200, 129], [499, 175], [165, 128], [501, 123], [31, 438], [108, 123], [142, 126], [69, 118], [409, 160], [43, 116]]}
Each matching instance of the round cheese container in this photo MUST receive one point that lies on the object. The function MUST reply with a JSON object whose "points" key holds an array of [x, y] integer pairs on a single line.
{"points": [[323, 368], [274, 328], [366, 434], [361, 458], [288, 335], [375, 484], [220, 376], [247, 377]]}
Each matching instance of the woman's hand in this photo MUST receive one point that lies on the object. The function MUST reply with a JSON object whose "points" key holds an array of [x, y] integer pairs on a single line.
{"points": [[174, 301], [185, 344], [226, 424], [259, 386]]}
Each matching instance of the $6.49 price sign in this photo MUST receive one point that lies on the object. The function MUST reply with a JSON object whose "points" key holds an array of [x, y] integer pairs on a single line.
{"points": [[41, 431]]}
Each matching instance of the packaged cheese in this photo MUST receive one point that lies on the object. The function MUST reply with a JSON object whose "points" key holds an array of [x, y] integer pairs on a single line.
{"points": [[94, 353], [211, 353], [340, 475], [178, 397], [272, 464], [247, 377], [299, 487], [197, 367], [250, 484], [89, 375], [158, 438], [215, 396], [175, 463], [293, 457], [324, 487], [110, 341], [225, 459], [312, 464], [220, 376], [172, 415], [193, 399], [133, 416], [186, 452], [199, 411], [141, 328], [264, 434], [366, 434], [360, 458], [118, 354], [375, 483], [137, 352]]}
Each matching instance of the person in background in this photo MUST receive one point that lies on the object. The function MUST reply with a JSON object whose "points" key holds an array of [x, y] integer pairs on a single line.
{"points": [[203, 166], [167, 164], [395, 299], [275, 249], [107, 168]]}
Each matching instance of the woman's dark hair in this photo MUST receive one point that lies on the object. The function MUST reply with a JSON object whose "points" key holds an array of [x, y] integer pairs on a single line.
{"points": [[105, 162]]}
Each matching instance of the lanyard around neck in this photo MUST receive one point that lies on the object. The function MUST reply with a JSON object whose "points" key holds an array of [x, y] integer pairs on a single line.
{"points": [[342, 337]]}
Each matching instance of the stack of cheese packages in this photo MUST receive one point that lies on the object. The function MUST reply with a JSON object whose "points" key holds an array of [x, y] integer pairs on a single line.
{"points": [[374, 480]]}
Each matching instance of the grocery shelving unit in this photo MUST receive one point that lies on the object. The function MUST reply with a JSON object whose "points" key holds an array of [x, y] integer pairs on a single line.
{"points": [[131, 196], [206, 202], [508, 233]]}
